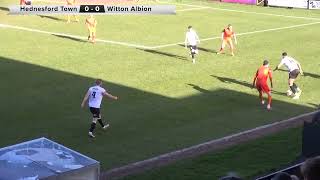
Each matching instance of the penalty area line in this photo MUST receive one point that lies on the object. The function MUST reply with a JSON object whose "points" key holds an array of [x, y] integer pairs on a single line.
{"points": [[240, 34], [73, 36]]}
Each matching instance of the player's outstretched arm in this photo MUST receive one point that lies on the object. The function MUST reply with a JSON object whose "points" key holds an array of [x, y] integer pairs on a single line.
{"points": [[271, 82], [87, 23], [85, 98], [235, 38], [277, 67], [300, 68], [185, 41], [198, 39], [254, 80], [110, 96], [270, 78]]}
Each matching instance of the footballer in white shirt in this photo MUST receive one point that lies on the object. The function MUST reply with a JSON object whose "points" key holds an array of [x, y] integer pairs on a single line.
{"points": [[191, 41], [94, 97], [295, 69]]}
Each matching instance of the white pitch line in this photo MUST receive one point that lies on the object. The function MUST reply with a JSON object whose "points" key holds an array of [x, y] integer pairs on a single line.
{"points": [[191, 9], [247, 12], [73, 36], [208, 146], [148, 47], [240, 34]]}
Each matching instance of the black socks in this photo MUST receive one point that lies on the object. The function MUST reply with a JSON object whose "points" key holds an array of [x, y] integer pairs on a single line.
{"points": [[93, 126]]}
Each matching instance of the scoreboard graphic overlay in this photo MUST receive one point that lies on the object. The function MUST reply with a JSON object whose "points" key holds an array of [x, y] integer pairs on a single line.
{"points": [[92, 9]]}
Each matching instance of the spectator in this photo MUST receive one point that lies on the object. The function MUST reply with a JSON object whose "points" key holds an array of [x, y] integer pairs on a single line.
{"points": [[311, 169], [294, 177], [282, 176], [316, 117]]}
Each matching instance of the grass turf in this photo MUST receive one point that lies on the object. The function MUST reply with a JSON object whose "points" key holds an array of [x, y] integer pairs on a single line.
{"points": [[165, 102], [248, 160]]}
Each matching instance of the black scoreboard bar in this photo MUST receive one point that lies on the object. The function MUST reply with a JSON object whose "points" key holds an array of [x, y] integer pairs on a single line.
{"points": [[92, 9]]}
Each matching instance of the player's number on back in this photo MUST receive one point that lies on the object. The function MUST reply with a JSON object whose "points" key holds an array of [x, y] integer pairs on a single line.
{"points": [[93, 94]]}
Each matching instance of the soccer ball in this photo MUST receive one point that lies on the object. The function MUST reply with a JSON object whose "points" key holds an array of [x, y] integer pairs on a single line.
{"points": [[289, 93]]}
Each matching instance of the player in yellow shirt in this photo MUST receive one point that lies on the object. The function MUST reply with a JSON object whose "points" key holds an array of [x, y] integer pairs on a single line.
{"points": [[91, 23], [71, 3]]}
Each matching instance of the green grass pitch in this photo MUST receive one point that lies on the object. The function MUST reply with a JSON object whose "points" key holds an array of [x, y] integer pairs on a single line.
{"points": [[246, 160], [166, 102]]}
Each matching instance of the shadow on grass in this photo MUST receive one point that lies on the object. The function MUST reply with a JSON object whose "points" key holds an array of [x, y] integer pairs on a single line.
{"points": [[52, 18], [244, 84], [4, 9], [306, 74], [207, 50], [279, 93], [164, 54], [234, 81], [40, 101], [202, 49], [70, 38], [198, 88]]}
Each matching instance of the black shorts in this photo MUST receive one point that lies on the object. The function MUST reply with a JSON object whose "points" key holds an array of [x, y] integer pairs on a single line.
{"points": [[193, 48], [95, 112], [294, 74]]}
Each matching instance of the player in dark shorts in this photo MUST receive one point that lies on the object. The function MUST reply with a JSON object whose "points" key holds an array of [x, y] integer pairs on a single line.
{"points": [[94, 97], [295, 69], [191, 41], [193, 50]]}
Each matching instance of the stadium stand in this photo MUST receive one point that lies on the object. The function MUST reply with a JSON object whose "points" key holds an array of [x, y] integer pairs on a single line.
{"points": [[310, 151]]}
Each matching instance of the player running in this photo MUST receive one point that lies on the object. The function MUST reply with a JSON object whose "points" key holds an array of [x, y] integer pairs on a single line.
{"points": [[260, 82], [91, 23], [226, 37], [95, 95], [191, 42], [71, 3], [295, 69]]}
